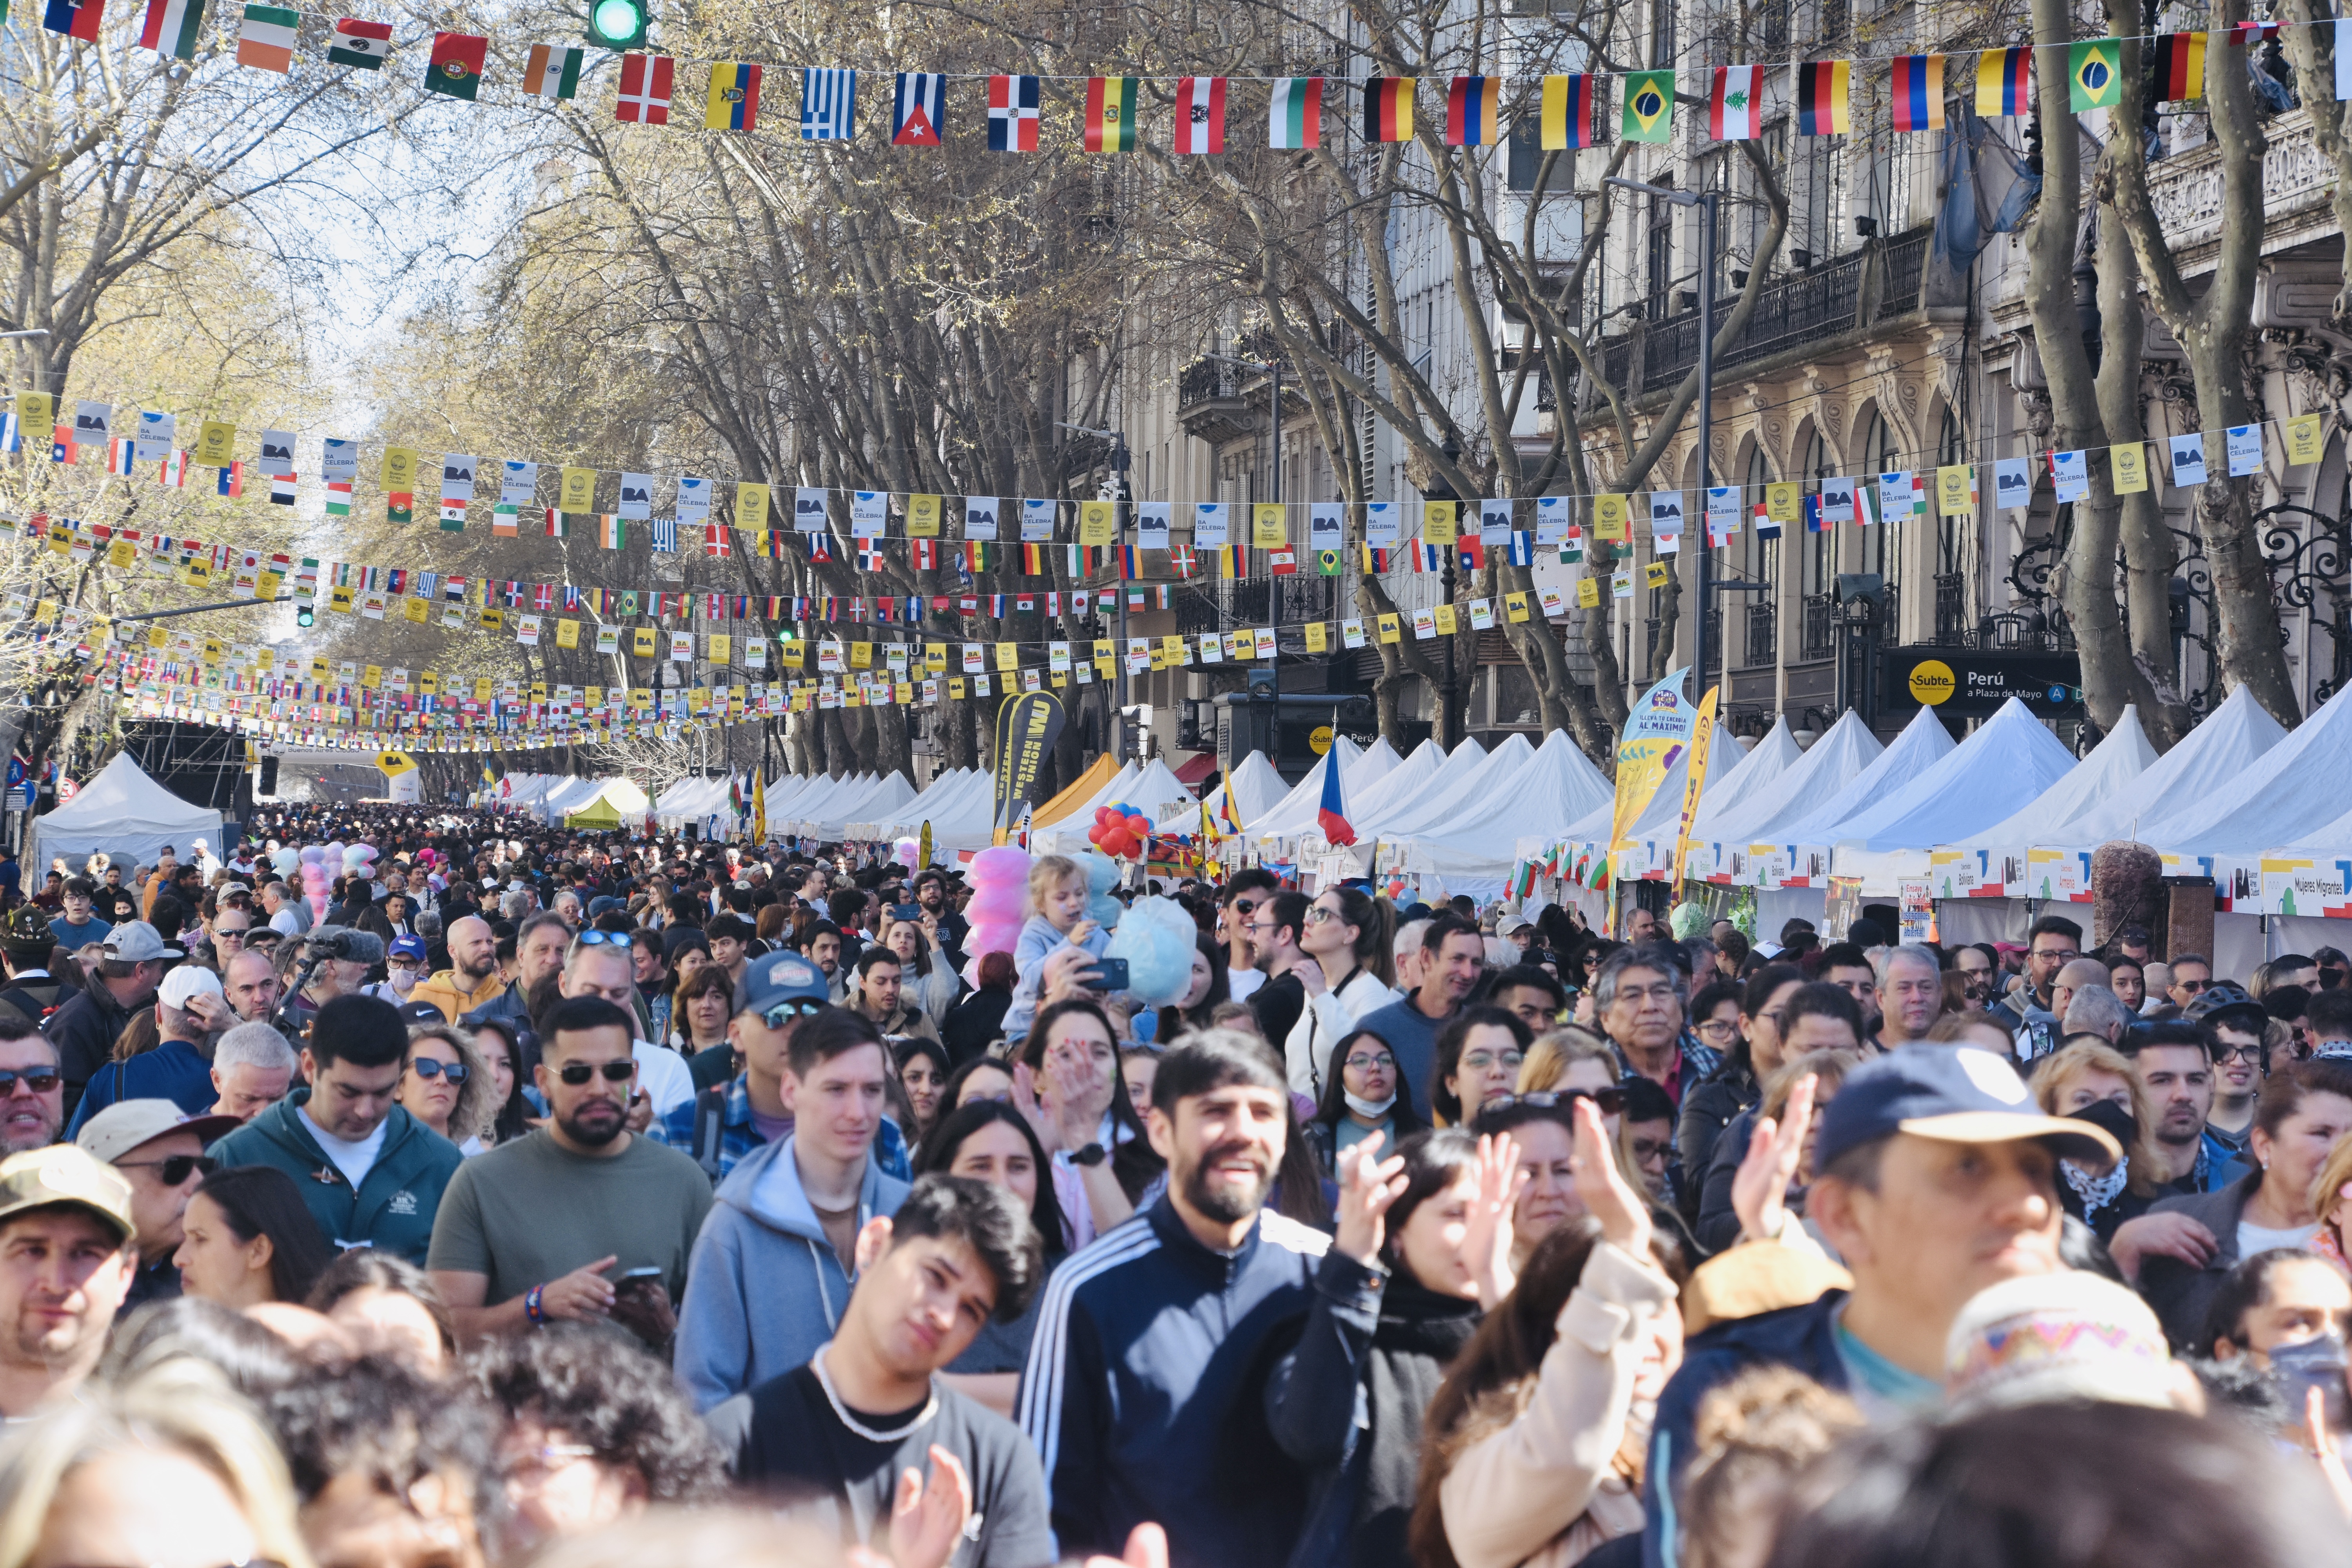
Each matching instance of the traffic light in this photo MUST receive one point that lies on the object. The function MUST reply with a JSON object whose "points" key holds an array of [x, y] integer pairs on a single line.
{"points": [[617, 23], [304, 615]]}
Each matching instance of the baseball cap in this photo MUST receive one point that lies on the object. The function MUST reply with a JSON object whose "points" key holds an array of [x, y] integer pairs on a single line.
{"points": [[26, 931], [136, 942], [123, 1126], [1952, 1094], [408, 947], [1510, 924], [779, 977], [421, 1012], [65, 1174], [2047, 1336], [187, 983]]}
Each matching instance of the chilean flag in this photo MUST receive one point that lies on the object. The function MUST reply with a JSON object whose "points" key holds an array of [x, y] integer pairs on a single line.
{"points": [[1331, 811]]}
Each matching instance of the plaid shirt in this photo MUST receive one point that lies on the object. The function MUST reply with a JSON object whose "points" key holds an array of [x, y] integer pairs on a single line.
{"points": [[739, 1135], [1695, 1064]]}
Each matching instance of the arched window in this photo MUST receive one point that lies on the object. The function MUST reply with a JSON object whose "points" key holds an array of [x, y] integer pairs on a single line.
{"points": [[1759, 562]]}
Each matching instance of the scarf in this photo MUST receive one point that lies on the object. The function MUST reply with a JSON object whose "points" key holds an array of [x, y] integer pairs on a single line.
{"points": [[2096, 1192], [1418, 1335]]}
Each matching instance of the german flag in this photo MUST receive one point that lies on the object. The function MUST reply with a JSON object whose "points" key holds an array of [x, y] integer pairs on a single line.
{"points": [[1388, 109], [2179, 67], [1821, 97]]}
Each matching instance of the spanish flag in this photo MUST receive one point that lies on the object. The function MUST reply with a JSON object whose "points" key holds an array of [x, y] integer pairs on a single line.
{"points": [[1388, 109], [1110, 113]]}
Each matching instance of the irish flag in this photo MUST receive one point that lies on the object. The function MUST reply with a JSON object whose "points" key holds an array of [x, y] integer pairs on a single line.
{"points": [[266, 42]]}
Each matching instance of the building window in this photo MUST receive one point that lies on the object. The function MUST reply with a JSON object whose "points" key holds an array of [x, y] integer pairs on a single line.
{"points": [[1882, 547]]}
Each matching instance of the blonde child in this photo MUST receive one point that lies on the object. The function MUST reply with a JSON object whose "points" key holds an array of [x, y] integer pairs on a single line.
{"points": [[1057, 919]]}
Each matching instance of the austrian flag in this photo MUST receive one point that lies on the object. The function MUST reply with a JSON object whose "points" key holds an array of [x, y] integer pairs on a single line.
{"points": [[1735, 109], [1200, 114]]}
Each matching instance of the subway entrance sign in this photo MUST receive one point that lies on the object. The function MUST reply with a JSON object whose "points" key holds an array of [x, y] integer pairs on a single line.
{"points": [[1974, 683]]}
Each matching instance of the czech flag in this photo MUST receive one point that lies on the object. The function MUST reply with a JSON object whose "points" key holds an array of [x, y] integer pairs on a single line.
{"points": [[1331, 811]]}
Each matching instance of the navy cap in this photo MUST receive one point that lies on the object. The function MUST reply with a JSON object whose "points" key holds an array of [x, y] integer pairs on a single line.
{"points": [[409, 947], [1952, 1094], [779, 977]]}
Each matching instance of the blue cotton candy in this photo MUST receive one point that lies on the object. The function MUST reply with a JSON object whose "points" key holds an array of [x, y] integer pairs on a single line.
{"points": [[1157, 940]]}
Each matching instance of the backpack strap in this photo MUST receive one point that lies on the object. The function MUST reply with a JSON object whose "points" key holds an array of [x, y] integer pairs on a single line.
{"points": [[710, 1129]]}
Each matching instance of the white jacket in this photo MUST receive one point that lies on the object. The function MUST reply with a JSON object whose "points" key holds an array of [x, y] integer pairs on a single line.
{"points": [[1324, 1022]]}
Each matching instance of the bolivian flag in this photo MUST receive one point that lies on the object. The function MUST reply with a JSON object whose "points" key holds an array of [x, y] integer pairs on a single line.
{"points": [[1110, 113]]}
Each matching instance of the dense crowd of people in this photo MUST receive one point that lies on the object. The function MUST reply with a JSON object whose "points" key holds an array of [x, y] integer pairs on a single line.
{"points": [[422, 1189]]}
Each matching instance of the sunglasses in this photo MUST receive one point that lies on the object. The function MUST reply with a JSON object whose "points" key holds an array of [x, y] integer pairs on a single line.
{"points": [[783, 1013], [577, 1073], [175, 1170], [1607, 1101], [431, 1066], [39, 1081], [2192, 985], [592, 937]]}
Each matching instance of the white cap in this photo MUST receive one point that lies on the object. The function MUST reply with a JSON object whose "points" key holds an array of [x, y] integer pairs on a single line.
{"points": [[188, 981], [2061, 1336]]}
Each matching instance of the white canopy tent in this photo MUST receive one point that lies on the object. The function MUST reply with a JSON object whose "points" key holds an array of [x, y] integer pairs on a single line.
{"points": [[1399, 795], [1923, 743], [1404, 780], [1482, 795], [905, 821], [879, 796], [2233, 738], [1993, 858], [2284, 797], [1253, 788], [802, 812], [966, 822], [1554, 786], [1152, 789], [1294, 815], [624, 798], [2007, 761], [124, 813], [1758, 814]]}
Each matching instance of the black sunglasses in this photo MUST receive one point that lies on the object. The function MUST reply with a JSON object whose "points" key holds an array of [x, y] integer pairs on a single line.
{"points": [[1607, 1101], [174, 1170], [40, 1080], [577, 1073], [430, 1066]]}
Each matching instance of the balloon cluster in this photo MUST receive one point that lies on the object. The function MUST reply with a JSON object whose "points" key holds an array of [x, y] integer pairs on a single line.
{"points": [[1120, 831], [1000, 887]]}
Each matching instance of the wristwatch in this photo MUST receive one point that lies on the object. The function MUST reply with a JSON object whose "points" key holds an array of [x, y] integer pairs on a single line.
{"points": [[1092, 1154]]}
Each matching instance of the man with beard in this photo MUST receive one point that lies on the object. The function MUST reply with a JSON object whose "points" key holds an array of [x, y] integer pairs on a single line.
{"points": [[369, 1174], [539, 945], [1453, 957], [579, 1220], [1145, 1381]]}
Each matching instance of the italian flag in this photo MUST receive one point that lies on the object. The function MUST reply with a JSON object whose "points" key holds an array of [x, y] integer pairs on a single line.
{"points": [[171, 26]]}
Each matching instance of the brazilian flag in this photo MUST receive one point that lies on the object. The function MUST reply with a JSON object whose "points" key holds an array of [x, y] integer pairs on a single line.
{"points": [[1327, 563], [2094, 74], [1649, 106]]}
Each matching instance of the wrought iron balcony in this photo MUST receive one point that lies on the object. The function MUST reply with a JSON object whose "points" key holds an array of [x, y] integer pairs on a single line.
{"points": [[1821, 623], [1763, 635]]}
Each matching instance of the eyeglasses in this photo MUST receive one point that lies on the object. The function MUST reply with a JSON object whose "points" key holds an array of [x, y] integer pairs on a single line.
{"points": [[2065, 955], [1366, 1064], [2191, 987], [1244, 906], [2228, 1053], [1607, 1101], [407, 965], [1317, 914], [577, 1073], [783, 1013], [1717, 1028], [174, 1170], [1480, 1061], [40, 1080], [433, 1067]]}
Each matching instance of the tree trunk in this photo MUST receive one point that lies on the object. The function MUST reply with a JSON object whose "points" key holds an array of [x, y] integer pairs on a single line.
{"points": [[2137, 519]]}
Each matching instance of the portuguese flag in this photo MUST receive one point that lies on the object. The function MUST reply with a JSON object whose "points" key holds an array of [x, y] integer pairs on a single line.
{"points": [[455, 68]]}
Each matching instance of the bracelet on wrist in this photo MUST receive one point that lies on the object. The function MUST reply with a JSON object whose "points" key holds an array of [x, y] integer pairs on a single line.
{"points": [[534, 1306]]}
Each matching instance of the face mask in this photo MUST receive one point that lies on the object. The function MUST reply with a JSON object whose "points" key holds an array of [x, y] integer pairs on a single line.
{"points": [[2112, 1119], [1362, 1107]]}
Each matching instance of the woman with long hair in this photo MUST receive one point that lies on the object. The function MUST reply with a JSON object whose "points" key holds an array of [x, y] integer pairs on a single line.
{"points": [[925, 979], [1348, 972], [1347, 1405], [1208, 989], [1477, 1058], [446, 1084], [500, 1043], [1534, 1447], [974, 1024], [1365, 1094], [923, 1074], [1708, 1107], [2092, 1082], [389, 1307], [989, 1140], [1067, 1083], [247, 1239], [701, 1006]]}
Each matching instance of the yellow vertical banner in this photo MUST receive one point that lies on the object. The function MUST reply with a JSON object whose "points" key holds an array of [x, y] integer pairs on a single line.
{"points": [[397, 473], [567, 633], [1956, 489], [37, 411], [923, 516], [1267, 529], [216, 444], [1438, 521], [751, 508], [1610, 515], [1588, 593], [1782, 501], [577, 491], [2304, 442], [1658, 732], [2130, 461], [1096, 525]]}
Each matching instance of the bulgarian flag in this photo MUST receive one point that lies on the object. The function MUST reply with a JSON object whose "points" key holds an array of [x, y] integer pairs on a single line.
{"points": [[338, 498]]}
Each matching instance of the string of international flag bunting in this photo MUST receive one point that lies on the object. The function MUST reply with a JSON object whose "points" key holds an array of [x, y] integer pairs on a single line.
{"points": [[1571, 106]]}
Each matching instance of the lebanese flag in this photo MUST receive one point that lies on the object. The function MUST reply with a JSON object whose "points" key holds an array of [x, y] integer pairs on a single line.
{"points": [[1200, 114], [1735, 109], [1331, 811]]}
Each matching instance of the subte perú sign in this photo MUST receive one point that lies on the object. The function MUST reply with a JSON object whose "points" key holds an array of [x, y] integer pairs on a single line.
{"points": [[1974, 683]]}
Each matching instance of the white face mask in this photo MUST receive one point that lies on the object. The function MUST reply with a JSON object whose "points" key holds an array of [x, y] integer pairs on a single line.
{"points": [[1362, 1107]]}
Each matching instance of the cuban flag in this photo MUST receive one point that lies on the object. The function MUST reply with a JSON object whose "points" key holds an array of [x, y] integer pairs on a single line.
{"points": [[1331, 811], [915, 113]]}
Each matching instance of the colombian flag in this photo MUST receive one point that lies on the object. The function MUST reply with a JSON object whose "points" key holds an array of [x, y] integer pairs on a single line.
{"points": [[1233, 560], [1473, 106], [734, 100], [1388, 109], [1918, 92], [2005, 82], [1110, 114], [1566, 117]]}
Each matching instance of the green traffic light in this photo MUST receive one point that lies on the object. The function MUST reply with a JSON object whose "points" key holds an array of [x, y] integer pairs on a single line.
{"points": [[304, 616], [617, 23]]}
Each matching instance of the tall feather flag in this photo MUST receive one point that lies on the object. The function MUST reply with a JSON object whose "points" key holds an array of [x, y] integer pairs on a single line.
{"points": [[1331, 811], [1474, 111], [1823, 87], [1388, 109], [1568, 116], [1294, 118], [1918, 92]]}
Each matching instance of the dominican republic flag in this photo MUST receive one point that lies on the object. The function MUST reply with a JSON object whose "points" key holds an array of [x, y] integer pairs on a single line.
{"points": [[645, 85], [1200, 114], [171, 28], [1013, 114], [1735, 109], [1331, 811], [917, 109], [829, 104]]}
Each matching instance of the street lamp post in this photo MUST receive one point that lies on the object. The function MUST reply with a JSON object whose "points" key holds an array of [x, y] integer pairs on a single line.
{"points": [[1440, 488], [1707, 201]]}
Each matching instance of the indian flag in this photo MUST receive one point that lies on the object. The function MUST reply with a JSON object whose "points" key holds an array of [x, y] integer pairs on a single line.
{"points": [[612, 531], [267, 40], [553, 72], [338, 498], [1297, 117], [171, 26]]}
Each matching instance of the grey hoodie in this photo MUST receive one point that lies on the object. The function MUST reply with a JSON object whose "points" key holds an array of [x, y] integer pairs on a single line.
{"points": [[763, 1290]]}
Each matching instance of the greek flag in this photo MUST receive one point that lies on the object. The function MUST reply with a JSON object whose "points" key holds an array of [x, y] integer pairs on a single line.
{"points": [[829, 104], [664, 535]]}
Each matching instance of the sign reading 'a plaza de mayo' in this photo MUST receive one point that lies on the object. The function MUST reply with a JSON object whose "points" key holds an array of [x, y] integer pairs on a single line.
{"points": [[1974, 683]]}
